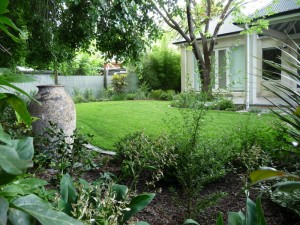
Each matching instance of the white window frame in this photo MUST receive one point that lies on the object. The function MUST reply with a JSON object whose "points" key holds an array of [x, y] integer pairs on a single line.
{"points": [[216, 75]]}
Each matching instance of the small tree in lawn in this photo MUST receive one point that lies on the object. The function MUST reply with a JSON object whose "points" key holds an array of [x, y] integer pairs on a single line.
{"points": [[192, 19]]}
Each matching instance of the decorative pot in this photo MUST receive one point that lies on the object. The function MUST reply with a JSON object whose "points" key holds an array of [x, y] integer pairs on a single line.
{"points": [[55, 106]]}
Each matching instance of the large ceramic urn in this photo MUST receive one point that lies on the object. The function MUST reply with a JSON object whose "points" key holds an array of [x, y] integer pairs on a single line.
{"points": [[55, 106]]}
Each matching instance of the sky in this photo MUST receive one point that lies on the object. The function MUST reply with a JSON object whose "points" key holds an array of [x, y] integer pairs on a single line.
{"points": [[254, 5]]}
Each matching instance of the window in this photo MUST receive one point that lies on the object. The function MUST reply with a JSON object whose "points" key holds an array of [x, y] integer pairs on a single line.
{"points": [[269, 72], [220, 68]]}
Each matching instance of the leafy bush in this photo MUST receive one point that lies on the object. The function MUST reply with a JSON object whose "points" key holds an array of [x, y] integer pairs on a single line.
{"points": [[138, 153], [256, 145], [131, 96], [102, 202], [254, 215], [143, 92], [105, 95], [223, 104], [189, 99], [156, 94], [286, 192], [82, 64], [19, 201], [199, 160], [160, 68], [63, 153], [89, 95], [118, 97], [119, 83], [78, 96]]}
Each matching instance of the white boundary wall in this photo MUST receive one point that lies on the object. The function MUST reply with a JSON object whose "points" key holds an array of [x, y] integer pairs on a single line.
{"points": [[81, 83]]}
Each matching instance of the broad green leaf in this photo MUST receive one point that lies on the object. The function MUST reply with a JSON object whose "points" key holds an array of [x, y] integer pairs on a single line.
{"points": [[3, 6], [20, 107], [287, 186], [251, 215], [10, 161], [31, 182], [3, 28], [12, 190], [5, 138], [121, 191], [17, 217], [65, 207], [235, 218], [220, 220], [260, 214], [5, 83], [18, 78], [41, 210], [24, 148], [190, 221], [7, 21], [67, 189], [137, 204], [268, 173], [3, 210]]}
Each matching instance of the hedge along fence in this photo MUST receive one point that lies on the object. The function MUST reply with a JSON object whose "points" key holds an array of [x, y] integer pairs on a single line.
{"points": [[81, 83]]}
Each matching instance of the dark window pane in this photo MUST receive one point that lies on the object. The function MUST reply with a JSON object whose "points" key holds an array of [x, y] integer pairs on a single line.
{"points": [[271, 54]]}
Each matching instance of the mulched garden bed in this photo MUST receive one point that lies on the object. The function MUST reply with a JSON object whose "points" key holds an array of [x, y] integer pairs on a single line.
{"points": [[167, 210]]}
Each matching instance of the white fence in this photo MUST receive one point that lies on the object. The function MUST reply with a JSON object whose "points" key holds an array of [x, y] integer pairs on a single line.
{"points": [[81, 83]]}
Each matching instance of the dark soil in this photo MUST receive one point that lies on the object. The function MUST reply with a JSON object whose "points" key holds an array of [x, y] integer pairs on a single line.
{"points": [[166, 209]]}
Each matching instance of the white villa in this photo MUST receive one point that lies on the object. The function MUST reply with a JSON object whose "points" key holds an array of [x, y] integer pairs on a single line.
{"points": [[238, 58]]}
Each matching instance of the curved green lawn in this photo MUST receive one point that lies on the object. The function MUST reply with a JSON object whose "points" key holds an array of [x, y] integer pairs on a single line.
{"points": [[110, 121]]}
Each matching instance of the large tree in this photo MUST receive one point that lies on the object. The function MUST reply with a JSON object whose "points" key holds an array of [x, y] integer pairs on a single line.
{"points": [[199, 19], [57, 28]]}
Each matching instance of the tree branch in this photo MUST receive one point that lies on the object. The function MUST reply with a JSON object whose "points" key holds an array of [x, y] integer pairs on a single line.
{"points": [[196, 48], [208, 11], [170, 21], [222, 17]]}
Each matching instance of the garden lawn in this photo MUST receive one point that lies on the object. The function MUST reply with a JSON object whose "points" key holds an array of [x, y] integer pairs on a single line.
{"points": [[110, 121]]}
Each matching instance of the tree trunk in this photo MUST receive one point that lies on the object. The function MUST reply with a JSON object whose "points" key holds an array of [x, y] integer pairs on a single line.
{"points": [[205, 77]]}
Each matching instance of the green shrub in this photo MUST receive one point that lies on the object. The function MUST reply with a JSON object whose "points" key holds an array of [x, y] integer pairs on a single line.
{"points": [[143, 92], [139, 153], [78, 96], [119, 83], [102, 202], [167, 95], [60, 152], [89, 95], [21, 201], [223, 104], [257, 145], [118, 97], [105, 94], [160, 68], [254, 109], [199, 160], [82, 64], [131, 96], [189, 99], [156, 94]]}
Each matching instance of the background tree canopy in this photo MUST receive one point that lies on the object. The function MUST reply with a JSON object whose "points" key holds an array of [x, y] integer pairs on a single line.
{"points": [[160, 67], [57, 28]]}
